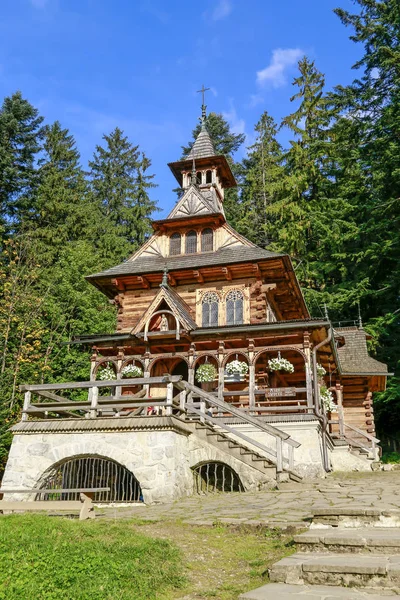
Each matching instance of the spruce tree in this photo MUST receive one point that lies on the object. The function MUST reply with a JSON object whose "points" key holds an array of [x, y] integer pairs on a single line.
{"points": [[262, 181], [20, 142], [63, 212], [120, 184]]}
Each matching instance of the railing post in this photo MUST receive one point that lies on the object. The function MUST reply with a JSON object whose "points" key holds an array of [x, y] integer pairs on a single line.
{"points": [[94, 402], [182, 401], [279, 457], [339, 398], [252, 387], [202, 410], [170, 396], [291, 456], [27, 403]]}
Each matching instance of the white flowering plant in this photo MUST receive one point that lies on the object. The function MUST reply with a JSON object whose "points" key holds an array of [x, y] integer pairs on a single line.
{"points": [[206, 373], [280, 364], [131, 371], [320, 370], [327, 400], [237, 367], [107, 374]]}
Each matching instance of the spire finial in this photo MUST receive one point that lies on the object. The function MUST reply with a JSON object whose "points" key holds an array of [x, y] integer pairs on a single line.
{"points": [[193, 179], [203, 106], [164, 282]]}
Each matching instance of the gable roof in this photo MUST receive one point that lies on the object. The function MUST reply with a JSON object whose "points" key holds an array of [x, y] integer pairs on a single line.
{"points": [[177, 306], [354, 357], [196, 202], [157, 264]]}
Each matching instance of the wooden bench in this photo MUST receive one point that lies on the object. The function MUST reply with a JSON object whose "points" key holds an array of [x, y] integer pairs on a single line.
{"points": [[84, 504]]}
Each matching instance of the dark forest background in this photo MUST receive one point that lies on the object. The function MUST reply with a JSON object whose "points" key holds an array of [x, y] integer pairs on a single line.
{"points": [[330, 198]]}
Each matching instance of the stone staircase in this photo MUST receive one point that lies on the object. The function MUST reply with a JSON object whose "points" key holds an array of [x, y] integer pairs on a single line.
{"points": [[214, 436], [349, 553]]}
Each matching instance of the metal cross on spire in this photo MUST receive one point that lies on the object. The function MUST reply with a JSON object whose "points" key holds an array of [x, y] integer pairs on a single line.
{"points": [[203, 106]]}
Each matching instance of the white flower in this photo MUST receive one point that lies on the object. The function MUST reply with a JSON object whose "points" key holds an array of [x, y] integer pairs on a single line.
{"points": [[237, 367], [107, 374], [327, 399], [206, 373], [280, 364], [320, 370], [132, 371]]}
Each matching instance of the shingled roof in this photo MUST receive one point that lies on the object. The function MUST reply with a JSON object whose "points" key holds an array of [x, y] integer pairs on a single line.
{"points": [[156, 264], [354, 357], [203, 146]]}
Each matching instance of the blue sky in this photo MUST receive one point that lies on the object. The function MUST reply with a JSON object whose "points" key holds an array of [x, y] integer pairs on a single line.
{"points": [[96, 64]]}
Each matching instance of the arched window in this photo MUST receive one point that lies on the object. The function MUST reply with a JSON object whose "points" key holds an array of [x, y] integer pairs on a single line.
{"points": [[191, 242], [210, 309], [234, 308], [208, 177], [199, 178], [175, 244], [207, 240]]}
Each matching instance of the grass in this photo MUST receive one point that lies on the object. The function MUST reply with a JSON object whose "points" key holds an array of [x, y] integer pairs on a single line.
{"points": [[44, 558]]}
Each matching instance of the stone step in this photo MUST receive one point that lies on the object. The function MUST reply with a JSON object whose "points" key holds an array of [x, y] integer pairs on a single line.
{"points": [[375, 540], [356, 516], [373, 571], [280, 591]]}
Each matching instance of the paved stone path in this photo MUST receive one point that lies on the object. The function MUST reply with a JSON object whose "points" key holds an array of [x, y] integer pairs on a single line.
{"points": [[287, 506]]}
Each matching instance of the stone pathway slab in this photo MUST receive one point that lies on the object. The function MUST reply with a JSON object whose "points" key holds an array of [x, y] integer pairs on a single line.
{"points": [[277, 591]]}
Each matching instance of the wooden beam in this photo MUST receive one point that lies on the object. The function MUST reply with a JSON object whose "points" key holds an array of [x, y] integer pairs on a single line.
{"points": [[171, 279], [198, 276], [256, 268], [118, 284], [144, 282], [227, 272]]}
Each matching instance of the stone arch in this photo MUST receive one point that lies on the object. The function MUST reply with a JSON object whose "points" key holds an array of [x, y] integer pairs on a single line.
{"points": [[211, 476], [92, 471]]}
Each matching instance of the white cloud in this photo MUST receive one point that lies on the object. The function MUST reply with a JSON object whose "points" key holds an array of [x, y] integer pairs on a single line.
{"points": [[282, 59], [222, 10], [237, 125], [39, 3], [255, 100]]}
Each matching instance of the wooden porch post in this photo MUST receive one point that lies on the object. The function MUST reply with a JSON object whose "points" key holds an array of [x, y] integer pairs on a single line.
{"points": [[252, 376], [339, 398], [309, 386], [221, 372], [27, 403]]}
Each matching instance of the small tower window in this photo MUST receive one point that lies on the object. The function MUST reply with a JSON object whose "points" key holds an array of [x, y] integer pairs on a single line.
{"points": [[199, 178], [175, 244], [207, 240], [191, 242], [208, 177], [234, 308], [210, 309]]}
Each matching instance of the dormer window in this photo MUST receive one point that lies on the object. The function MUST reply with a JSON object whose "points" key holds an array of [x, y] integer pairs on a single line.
{"points": [[191, 242], [207, 240], [208, 176], [175, 244]]}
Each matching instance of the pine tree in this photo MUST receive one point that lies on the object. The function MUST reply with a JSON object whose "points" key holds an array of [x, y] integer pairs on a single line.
{"points": [[120, 185], [20, 142], [262, 181]]}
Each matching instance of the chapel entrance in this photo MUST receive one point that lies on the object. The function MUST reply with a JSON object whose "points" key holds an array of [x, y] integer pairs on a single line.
{"points": [[172, 366]]}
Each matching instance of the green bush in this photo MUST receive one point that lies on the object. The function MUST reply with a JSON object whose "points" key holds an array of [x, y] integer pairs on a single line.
{"points": [[48, 558], [391, 457]]}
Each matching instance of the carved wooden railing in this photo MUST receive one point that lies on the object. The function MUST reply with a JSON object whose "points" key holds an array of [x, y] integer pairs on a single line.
{"points": [[184, 404]]}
